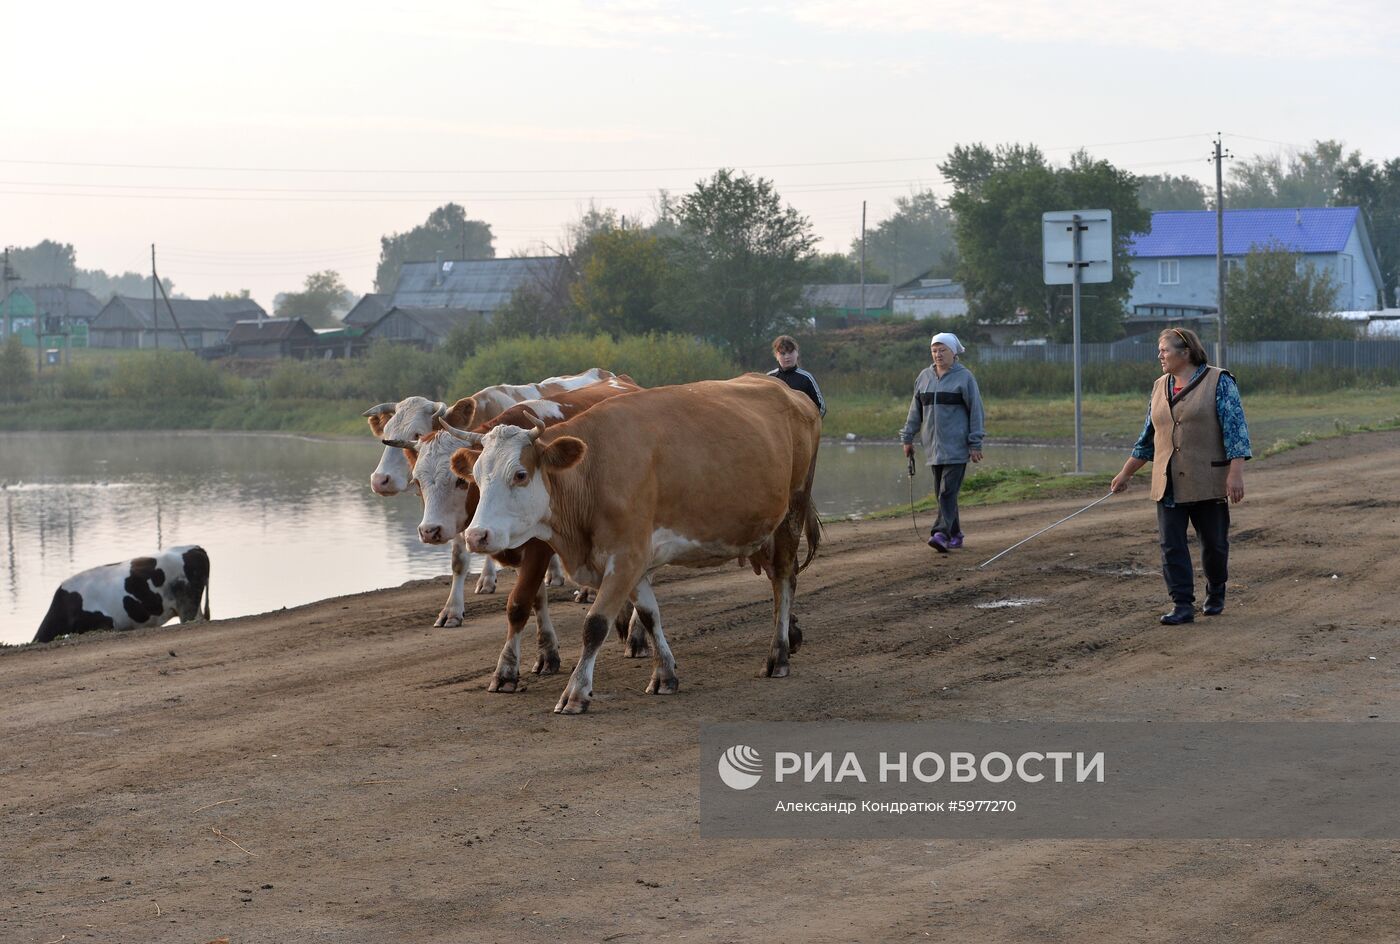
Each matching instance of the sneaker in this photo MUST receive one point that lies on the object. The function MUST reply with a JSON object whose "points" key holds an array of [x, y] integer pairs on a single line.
{"points": [[1181, 613], [956, 540], [939, 542]]}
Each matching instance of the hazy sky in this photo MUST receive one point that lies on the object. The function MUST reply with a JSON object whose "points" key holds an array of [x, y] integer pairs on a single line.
{"points": [[258, 142]]}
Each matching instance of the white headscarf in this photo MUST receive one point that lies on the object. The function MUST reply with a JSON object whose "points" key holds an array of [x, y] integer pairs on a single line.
{"points": [[949, 339]]}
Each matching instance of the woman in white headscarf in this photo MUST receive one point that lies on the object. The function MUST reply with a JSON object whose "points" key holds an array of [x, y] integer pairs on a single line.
{"points": [[946, 413]]}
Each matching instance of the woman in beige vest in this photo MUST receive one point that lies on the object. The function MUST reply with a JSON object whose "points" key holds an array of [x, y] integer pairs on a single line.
{"points": [[1197, 441]]}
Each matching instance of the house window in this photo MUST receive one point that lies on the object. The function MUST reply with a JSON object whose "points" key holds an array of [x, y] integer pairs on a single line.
{"points": [[1232, 266], [1168, 272], [1344, 267]]}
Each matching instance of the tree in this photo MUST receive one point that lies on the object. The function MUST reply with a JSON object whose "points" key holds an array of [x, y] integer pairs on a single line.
{"points": [[916, 239], [998, 198], [1376, 190], [738, 262], [316, 304], [16, 370], [238, 296], [447, 230], [45, 263], [130, 284], [1168, 192], [839, 268], [620, 288], [1307, 179], [1272, 298]]}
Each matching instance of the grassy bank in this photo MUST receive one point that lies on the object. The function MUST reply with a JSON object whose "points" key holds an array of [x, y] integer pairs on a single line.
{"points": [[312, 417], [1116, 419], [1000, 486], [1109, 419]]}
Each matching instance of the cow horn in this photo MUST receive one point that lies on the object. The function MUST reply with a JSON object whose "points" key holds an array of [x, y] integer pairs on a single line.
{"points": [[539, 426], [398, 443], [462, 434], [439, 409], [380, 409]]}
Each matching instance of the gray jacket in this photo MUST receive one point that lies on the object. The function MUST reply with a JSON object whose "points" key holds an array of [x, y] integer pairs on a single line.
{"points": [[946, 412]]}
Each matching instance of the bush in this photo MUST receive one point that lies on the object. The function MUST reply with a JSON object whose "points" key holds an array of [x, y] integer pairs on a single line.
{"points": [[16, 370], [170, 375], [651, 360], [305, 380], [391, 372], [78, 382]]}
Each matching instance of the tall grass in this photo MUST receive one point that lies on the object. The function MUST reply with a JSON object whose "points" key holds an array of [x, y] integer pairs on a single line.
{"points": [[651, 360]]}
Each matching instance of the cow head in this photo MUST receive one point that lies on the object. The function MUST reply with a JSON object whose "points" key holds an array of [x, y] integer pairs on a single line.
{"points": [[448, 498], [509, 467], [399, 426]]}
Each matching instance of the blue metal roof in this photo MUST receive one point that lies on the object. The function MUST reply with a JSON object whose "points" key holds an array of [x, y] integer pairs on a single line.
{"points": [[1192, 232]]}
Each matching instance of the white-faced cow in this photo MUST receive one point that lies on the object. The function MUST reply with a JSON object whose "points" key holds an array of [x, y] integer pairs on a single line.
{"points": [[450, 500], [396, 424], [697, 474], [146, 591]]}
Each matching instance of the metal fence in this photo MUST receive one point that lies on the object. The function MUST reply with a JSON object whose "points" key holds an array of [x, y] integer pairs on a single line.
{"points": [[1297, 355]]}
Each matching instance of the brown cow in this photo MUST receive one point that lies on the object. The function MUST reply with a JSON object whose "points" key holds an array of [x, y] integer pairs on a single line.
{"points": [[410, 418], [697, 474], [449, 502]]}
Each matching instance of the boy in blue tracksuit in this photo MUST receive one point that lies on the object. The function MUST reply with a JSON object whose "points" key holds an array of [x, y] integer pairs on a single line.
{"points": [[946, 412]]}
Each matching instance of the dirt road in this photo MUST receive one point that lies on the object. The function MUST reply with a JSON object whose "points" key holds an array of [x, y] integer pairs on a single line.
{"points": [[338, 772]]}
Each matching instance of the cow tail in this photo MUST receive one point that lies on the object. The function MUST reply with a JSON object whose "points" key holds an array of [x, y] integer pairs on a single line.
{"points": [[811, 521], [812, 528], [205, 612]]}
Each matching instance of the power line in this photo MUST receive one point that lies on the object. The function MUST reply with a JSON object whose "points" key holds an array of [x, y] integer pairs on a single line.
{"points": [[556, 170]]}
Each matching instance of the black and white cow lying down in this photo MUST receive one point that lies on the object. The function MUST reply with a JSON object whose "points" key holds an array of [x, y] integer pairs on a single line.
{"points": [[145, 591]]}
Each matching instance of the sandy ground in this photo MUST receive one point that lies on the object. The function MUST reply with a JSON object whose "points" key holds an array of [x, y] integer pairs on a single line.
{"points": [[338, 772]]}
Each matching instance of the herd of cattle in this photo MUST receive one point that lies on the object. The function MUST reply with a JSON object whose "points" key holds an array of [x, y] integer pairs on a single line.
{"points": [[589, 475]]}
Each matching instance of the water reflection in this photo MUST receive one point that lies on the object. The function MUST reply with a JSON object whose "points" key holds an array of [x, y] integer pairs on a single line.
{"points": [[289, 520]]}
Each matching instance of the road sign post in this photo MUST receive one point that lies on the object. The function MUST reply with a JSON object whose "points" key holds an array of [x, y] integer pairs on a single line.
{"points": [[1078, 248]]}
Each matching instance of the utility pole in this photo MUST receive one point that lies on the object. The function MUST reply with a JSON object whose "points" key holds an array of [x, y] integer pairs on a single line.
{"points": [[155, 283], [1219, 159], [155, 311], [7, 277], [862, 261]]}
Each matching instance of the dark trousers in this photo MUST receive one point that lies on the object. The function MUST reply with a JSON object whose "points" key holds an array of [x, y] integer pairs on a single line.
{"points": [[1211, 519], [947, 482]]}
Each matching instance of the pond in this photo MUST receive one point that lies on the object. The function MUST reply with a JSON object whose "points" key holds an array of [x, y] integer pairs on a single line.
{"points": [[289, 520]]}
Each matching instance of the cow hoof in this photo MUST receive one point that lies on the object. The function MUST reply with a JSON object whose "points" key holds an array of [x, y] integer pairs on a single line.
{"points": [[570, 706], [583, 595], [504, 685], [448, 620], [776, 669], [555, 581], [665, 686], [636, 650], [547, 663], [486, 586]]}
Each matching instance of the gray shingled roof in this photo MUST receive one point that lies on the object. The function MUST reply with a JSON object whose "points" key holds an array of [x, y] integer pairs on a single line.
{"points": [[269, 329], [473, 284], [64, 301], [190, 312], [235, 309], [368, 309], [847, 296], [436, 322]]}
